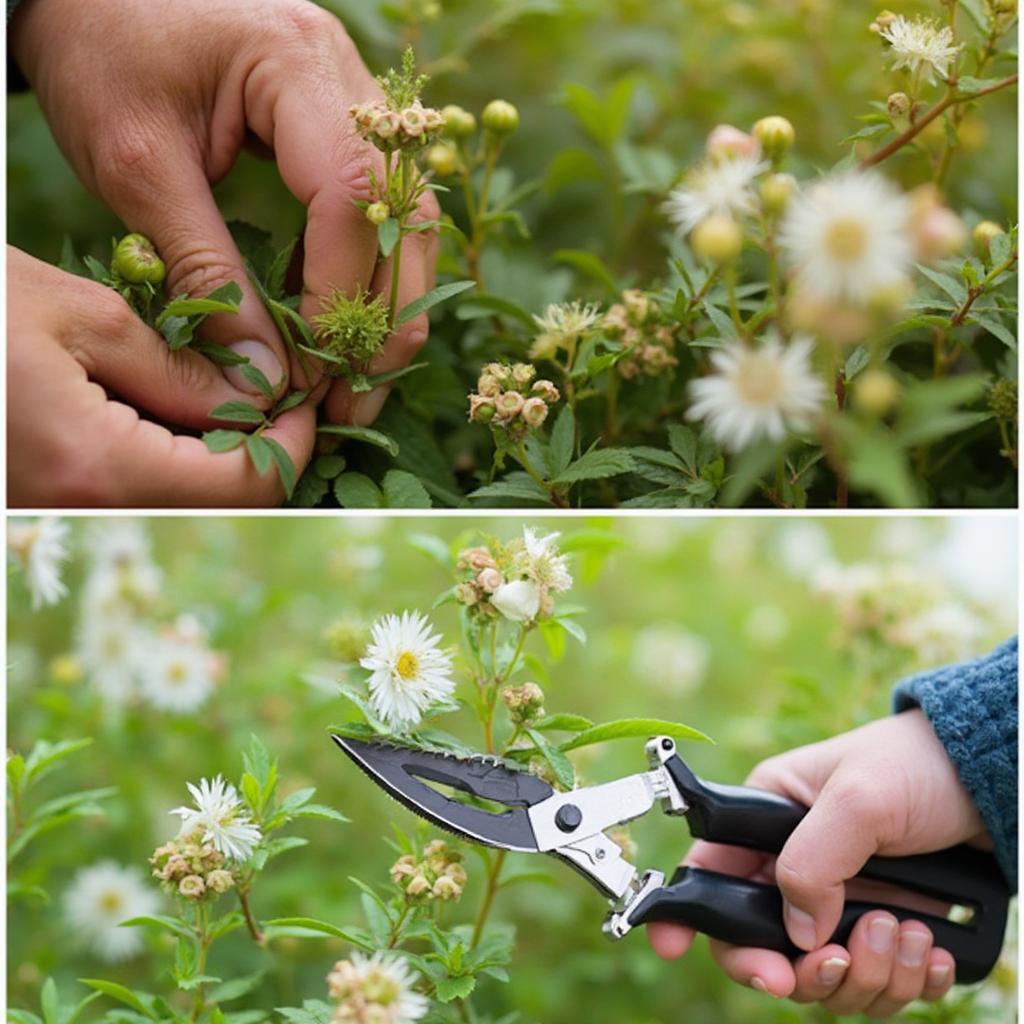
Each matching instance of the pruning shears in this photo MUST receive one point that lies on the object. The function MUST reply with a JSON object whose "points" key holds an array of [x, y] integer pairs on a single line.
{"points": [[571, 826]]}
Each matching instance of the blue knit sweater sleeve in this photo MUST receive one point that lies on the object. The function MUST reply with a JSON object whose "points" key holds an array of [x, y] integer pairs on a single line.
{"points": [[973, 709]]}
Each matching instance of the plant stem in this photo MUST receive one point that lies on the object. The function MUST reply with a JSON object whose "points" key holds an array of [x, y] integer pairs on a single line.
{"points": [[973, 294], [950, 99], [842, 485], [250, 921], [488, 899], [199, 1000], [396, 256]]}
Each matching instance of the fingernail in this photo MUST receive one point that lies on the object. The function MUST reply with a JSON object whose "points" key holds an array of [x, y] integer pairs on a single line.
{"points": [[758, 985], [881, 932], [368, 406], [938, 974], [260, 356], [913, 948], [800, 926], [831, 971]]}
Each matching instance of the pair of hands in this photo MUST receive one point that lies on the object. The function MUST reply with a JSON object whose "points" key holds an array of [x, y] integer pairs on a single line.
{"points": [[152, 106], [887, 788]]}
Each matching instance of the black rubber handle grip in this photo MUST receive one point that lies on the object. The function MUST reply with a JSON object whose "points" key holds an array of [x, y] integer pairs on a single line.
{"points": [[750, 914]]}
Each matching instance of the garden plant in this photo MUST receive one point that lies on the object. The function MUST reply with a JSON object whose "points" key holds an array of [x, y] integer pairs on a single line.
{"points": [[750, 254], [185, 844]]}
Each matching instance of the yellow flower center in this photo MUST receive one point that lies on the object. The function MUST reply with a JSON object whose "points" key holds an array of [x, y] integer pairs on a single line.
{"points": [[110, 901], [176, 673], [408, 666], [758, 380], [846, 240]]}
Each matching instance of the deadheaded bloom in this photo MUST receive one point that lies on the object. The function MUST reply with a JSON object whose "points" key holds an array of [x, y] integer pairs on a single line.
{"points": [[524, 702], [192, 887], [220, 880]]}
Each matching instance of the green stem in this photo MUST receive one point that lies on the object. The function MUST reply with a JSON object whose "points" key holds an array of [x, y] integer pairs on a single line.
{"points": [[250, 921], [493, 878], [199, 999]]}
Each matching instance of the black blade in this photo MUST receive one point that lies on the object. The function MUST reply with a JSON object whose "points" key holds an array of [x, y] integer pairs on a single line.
{"points": [[399, 770]]}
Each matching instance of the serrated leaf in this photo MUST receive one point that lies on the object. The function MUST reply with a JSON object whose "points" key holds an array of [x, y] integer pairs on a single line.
{"points": [[631, 727], [238, 412], [356, 490], [403, 490], [454, 988], [259, 453], [563, 723], [364, 434], [597, 465], [285, 467], [255, 376], [562, 767], [431, 299]]}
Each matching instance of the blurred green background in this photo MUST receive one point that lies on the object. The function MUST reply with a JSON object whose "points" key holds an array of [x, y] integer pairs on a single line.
{"points": [[766, 669], [695, 63]]}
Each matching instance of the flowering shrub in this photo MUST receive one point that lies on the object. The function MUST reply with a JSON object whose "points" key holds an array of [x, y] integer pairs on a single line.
{"points": [[182, 867]]}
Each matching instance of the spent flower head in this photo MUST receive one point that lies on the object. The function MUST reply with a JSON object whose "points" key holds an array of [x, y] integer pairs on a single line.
{"points": [[352, 328], [561, 326]]}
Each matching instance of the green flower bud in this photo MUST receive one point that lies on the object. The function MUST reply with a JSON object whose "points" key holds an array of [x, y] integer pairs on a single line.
{"points": [[458, 123], [984, 235], [443, 159], [776, 135], [776, 192], [717, 239], [876, 392], [500, 118], [136, 261], [378, 213]]}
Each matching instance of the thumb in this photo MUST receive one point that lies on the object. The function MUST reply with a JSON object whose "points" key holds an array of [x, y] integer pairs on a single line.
{"points": [[832, 843], [164, 193]]}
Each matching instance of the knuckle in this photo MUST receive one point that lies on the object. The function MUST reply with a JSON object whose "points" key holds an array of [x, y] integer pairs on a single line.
{"points": [[414, 334], [111, 316], [305, 23], [792, 878], [197, 271], [79, 478]]}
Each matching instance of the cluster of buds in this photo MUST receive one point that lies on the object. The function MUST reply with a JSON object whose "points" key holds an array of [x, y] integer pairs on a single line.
{"points": [[524, 703], [191, 868], [638, 324], [517, 580], [437, 875], [510, 399], [1002, 399], [408, 129]]}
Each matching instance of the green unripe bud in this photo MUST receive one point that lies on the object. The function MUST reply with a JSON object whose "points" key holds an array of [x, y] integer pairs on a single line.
{"points": [[458, 123], [136, 261], [984, 235], [378, 213], [500, 118], [876, 392], [443, 159], [776, 192], [776, 135], [717, 239], [1002, 399]]}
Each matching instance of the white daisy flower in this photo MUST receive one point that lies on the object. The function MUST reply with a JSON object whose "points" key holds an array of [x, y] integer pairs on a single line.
{"points": [[848, 237], [221, 817], [561, 326], [123, 573], [544, 563], [722, 187], [671, 659], [99, 898], [111, 649], [518, 601], [378, 989], [40, 547], [757, 393], [921, 43], [409, 672], [177, 675]]}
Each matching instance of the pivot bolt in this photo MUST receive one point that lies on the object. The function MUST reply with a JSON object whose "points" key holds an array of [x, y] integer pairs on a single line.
{"points": [[568, 817]]}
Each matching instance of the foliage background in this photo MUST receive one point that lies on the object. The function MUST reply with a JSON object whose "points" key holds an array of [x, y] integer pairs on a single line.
{"points": [[267, 589]]}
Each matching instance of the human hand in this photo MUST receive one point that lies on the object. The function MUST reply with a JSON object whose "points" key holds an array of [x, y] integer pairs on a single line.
{"points": [[70, 341], [887, 788], [152, 105]]}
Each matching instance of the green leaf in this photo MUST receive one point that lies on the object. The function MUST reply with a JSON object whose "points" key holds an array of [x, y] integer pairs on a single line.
{"points": [[219, 354], [597, 465], [403, 490], [376, 379], [285, 467], [365, 434], [238, 412], [388, 234], [255, 376], [278, 269], [683, 441], [969, 85], [140, 1001], [49, 1002], [562, 767], [431, 299], [477, 306], [454, 988], [45, 755], [313, 1011], [953, 288], [290, 401], [590, 266], [356, 490], [327, 467], [225, 299], [223, 440], [563, 439], [516, 486], [171, 924], [234, 988], [259, 453], [630, 727], [563, 723], [322, 811]]}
